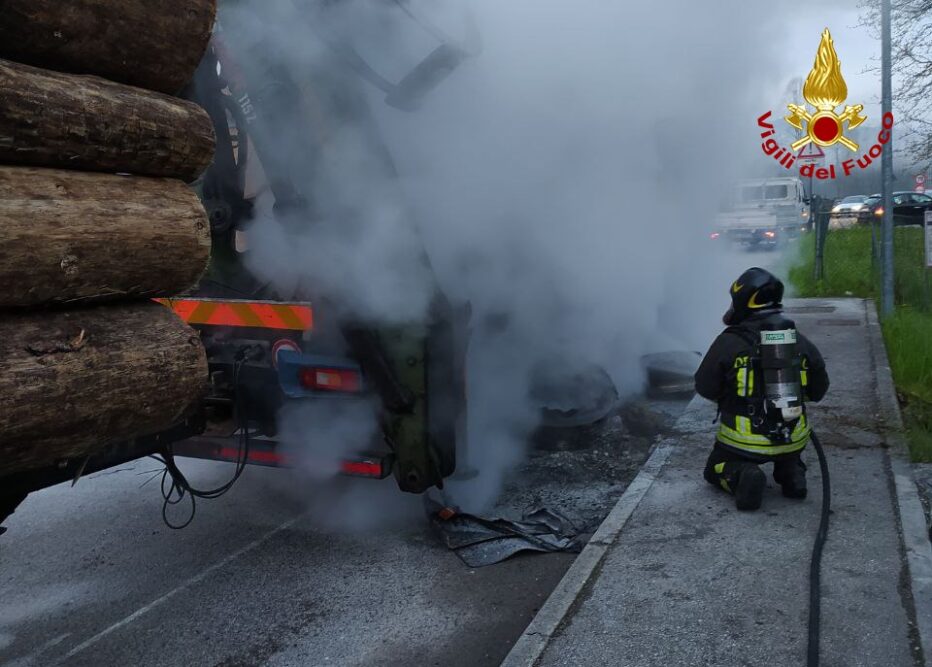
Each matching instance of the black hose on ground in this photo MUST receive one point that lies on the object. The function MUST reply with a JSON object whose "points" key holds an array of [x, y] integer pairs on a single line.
{"points": [[815, 594], [175, 485]]}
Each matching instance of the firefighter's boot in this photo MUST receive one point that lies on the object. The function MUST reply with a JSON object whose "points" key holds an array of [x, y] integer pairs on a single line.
{"points": [[744, 480], [791, 476], [749, 492]]}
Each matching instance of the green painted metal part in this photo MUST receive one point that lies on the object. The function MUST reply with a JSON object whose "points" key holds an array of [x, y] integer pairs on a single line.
{"points": [[415, 468]]}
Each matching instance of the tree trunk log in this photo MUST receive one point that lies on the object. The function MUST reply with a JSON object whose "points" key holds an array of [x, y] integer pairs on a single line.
{"points": [[154, 44], [71, 236], [72, 382], [48, 119]]}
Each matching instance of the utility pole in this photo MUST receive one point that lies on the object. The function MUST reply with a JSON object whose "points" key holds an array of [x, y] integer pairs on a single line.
{"points": [[886, 166], [837, 180]]}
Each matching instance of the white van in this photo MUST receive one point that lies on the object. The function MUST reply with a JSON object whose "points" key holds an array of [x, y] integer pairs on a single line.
{"points": [[764, 212]]}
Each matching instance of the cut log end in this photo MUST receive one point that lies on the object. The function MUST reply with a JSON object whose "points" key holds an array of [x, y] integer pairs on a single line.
{"points": [[73, 382], [99, 125], [78, 238], [154, 45]]}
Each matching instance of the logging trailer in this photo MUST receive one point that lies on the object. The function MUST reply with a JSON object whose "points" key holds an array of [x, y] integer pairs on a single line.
{"points": [[269, 351], [104, 375]]}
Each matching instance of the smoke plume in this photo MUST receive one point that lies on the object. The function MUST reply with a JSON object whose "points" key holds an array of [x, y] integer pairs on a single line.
{"points": [[562, 180]]}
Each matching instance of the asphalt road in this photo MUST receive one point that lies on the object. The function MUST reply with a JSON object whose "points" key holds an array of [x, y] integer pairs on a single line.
{"points": [[280, 573]]}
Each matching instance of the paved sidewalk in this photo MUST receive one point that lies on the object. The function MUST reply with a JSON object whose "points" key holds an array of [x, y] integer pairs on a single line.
{"points": [[676, 576]]}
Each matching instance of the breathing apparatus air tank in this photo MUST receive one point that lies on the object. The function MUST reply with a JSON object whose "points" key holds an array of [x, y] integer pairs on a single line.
{"points": [[780, 366]]}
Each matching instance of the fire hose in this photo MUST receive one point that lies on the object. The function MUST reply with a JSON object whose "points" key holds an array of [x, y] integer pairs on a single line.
{"points": [[815, 593]]}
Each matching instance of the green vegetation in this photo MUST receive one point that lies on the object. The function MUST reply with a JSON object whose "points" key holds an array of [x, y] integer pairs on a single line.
{"points": [[908, 334], [918, 419], [848, 263], [849, 271]]}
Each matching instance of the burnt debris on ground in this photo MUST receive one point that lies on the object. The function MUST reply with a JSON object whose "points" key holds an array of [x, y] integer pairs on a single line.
{"points": [[480, 542], [573, 475], [581, 472]]}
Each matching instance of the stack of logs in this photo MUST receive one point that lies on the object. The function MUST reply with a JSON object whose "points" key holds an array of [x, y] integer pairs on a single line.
{"points": [[96, 219]]}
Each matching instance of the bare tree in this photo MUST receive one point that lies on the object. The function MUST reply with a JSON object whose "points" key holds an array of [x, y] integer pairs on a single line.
{"points": [[911, 37]]}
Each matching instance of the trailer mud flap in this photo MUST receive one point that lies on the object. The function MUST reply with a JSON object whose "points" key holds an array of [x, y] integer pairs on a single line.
{"points": [[447, 340], [418, 372]]}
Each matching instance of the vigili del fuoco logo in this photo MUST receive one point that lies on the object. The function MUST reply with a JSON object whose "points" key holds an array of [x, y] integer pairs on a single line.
{"points": [[825, 90]]}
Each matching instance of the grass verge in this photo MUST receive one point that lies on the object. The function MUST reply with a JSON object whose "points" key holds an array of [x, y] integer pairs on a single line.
{"points": [[849, 271]]}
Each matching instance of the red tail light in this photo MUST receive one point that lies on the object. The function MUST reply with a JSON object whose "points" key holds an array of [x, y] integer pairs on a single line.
{"points": [[714, 235], [770, 235], [362, 468], [375, 466], [259, 456], [330, 379]]}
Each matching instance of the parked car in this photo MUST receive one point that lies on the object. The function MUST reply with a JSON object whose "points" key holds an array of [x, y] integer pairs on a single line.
{"points": [[848, 212], [908, 207]]}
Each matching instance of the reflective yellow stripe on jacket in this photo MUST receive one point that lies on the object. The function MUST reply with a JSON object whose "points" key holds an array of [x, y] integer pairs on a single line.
{"points": [[742, 437], [744, 376]]}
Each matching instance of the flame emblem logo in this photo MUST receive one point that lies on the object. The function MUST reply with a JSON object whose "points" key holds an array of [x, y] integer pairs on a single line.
{"points": [[825, 89]]}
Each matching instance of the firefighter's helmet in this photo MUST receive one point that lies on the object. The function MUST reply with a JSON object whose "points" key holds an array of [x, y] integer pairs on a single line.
{"points": [[756, 289]]}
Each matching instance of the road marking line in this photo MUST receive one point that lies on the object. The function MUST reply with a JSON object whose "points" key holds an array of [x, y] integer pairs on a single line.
{"points": [[185, 584], [33, 658]]}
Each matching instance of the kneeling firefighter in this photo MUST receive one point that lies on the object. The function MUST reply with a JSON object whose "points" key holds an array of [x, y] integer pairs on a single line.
{"points": [[761, 372]]}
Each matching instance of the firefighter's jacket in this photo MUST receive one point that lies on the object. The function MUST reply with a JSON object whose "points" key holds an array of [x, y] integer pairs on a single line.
{"points": [[727, 375]]}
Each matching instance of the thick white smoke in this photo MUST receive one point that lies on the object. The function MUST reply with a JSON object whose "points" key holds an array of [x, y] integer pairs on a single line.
{"points": [[563, 180]]}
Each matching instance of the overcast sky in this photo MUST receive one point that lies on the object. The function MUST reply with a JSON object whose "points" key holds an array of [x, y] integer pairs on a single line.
{"points": [[857, 49]]}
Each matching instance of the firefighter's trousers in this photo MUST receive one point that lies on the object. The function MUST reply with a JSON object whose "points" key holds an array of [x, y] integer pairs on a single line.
{"points": [[723, 466]]}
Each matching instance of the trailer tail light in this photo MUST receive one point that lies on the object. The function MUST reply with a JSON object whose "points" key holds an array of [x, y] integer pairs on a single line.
{"points": [[330, 379], [374, 467], [302, 375], [262, 457], [263, 452]]}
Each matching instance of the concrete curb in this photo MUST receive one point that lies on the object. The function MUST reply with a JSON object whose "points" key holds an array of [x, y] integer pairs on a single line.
{"points": [[914, 531], [533, 642]]}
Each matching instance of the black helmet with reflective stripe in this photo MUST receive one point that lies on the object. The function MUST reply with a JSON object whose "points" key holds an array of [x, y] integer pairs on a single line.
{"points": [[756, 289]]}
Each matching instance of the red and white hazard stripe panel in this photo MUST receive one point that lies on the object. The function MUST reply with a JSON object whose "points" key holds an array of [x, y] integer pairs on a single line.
{"points": [[241, 313]]}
